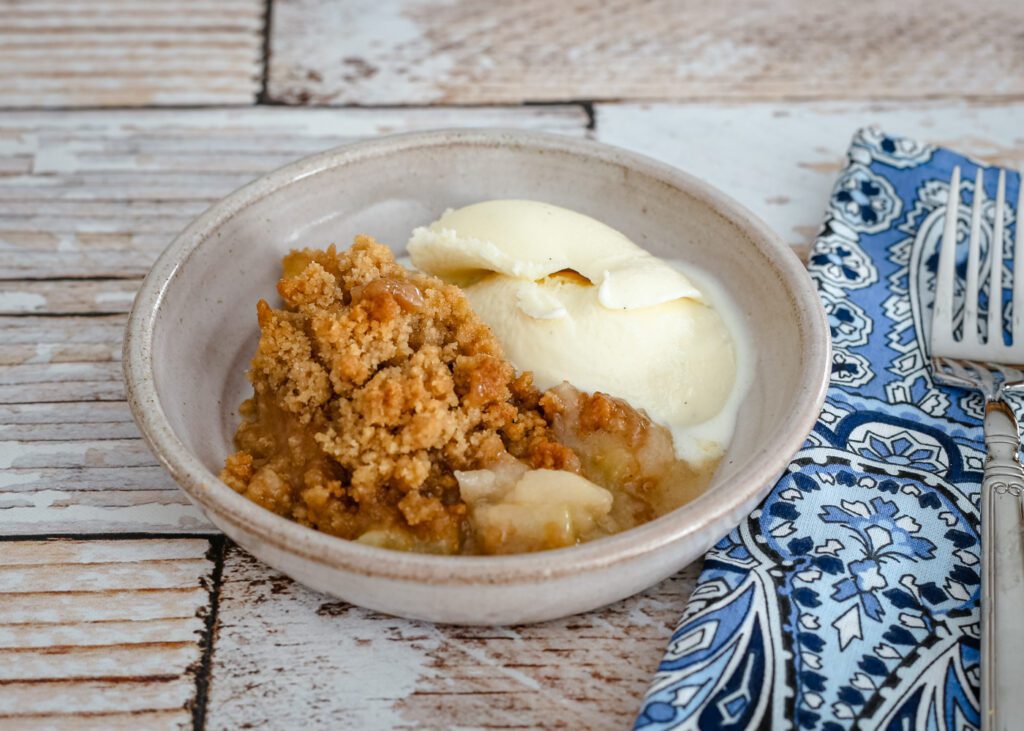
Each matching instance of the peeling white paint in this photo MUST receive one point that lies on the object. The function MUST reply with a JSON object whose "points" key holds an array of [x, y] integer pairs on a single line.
{"points": [[11, 301]]}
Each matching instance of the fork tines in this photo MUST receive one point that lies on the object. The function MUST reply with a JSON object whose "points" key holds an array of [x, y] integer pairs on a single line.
{"points": [[971, 346]]}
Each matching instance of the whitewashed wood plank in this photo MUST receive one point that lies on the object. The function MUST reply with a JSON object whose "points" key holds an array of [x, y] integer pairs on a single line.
{"points": [[61, 382], [116, 262], [16, 375], [56, 392], [28, 20], [58, 483], [100, 194], [15, 503], [163, 574], [83, 696], [120, 508], [73, 481], [112, 661], [129, 721], [67, 296], [71, 330], [85, 478], [66, 421], [86, 634], [75, 553], [376, 671], [781, 160], [71, 697], [75, 454], [478, 51], [90, 499], [74, 358], [111, 606], [105, 53], [103, 634], [19, 353]]}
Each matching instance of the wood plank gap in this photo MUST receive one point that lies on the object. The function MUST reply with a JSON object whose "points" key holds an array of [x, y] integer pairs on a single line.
{"points": [[119, 400], [94, 313], [414, 106], [129, 108], [101, 592], [92, 622], [161, 561], [72, 440], [587, 105], [85, 714], [69, 649], [72, 278], [261, 96], [218, 548], [137, 535], [588, 109], [93, 679]]}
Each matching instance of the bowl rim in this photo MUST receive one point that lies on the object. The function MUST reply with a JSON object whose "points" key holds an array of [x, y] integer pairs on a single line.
{"points": [[719, 508]]}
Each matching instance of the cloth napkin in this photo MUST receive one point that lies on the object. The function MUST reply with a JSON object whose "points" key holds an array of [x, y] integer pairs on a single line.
{"points": [[850, 597]]}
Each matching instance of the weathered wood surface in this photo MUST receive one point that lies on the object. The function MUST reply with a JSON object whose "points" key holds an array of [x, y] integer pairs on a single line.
{"points": [[41, 422], [479, 51], [781, 159], [56, 53], [288, 657], [68, 297], [102, 634], [71, 459], [100, 194], [109, 634]]}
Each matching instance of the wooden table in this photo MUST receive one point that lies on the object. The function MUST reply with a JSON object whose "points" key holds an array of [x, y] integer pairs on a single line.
{"points": [[120, 120]]}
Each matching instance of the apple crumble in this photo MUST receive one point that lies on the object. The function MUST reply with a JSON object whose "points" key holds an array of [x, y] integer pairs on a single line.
{"points": [[384, 411]]}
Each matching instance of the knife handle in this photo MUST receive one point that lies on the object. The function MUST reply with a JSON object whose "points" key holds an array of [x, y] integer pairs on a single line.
{"points": [[1002, 573]]}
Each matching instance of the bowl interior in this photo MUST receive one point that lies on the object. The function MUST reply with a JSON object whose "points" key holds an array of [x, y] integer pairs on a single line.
{"points": [[205, 329]]}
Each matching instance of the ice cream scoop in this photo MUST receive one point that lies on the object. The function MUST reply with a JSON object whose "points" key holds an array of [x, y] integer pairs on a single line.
{"points": [[572, 299], [530, 240]]}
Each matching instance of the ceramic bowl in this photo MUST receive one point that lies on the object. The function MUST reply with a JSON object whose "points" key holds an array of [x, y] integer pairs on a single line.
{"points": [[193, 330]]}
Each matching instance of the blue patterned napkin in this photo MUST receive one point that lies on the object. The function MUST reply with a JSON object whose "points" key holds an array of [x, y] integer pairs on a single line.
{"points": [[850, 597]]}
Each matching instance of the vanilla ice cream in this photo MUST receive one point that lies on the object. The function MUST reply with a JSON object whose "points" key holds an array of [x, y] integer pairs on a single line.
{"points": [[572, 299]]}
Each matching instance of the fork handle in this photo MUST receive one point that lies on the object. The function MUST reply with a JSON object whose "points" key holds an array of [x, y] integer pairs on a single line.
{"points": [[1002, 573]]}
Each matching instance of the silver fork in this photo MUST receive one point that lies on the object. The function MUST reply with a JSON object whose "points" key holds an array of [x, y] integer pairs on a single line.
{"points": [[993, 368]]}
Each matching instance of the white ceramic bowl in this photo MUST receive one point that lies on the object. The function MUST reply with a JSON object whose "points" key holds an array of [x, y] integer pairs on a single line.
{"points": [[193, 330]]}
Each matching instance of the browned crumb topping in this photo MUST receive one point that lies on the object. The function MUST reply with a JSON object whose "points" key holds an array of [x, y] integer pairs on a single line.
{"points": [[373, 385]]}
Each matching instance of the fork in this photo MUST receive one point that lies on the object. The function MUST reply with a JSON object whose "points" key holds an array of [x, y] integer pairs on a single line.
{"points": [[991, 367]]}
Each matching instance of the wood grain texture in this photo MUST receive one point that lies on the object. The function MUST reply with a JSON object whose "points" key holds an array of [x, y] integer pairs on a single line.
{"points": [[87, 201], [101, 634], [100, 194], [781, 160], [67, 297], [127, 53], [39, 422], [107, 634], [71, 459], [477, 51], [286, 657]]}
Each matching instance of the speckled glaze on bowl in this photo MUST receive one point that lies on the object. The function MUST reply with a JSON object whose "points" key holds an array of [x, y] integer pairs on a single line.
{"points": [[193, 329]]}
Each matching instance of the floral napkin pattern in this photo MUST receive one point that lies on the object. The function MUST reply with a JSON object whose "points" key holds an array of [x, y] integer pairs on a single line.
{"points": [[849, 599]]}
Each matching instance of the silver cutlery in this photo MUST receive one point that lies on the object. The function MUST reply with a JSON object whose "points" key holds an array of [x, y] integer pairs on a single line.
{"points": [[987, 365]]}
